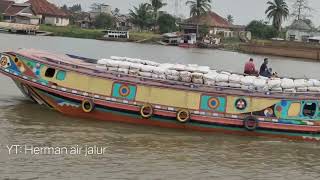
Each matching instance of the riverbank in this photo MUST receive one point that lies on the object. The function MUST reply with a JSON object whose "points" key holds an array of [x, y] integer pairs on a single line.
{"points": [[266, 47], [73, 31], [76, 32], [283, 48]]}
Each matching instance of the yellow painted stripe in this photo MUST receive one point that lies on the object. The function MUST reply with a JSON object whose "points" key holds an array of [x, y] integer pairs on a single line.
{"points": [[168, 97]]}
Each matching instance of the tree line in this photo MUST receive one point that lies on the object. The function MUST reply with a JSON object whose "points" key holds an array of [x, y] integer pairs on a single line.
{"points": [[278, 11], [146, 16]]}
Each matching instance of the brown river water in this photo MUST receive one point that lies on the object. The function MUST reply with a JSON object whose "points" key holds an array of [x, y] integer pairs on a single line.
{"points": [[138, 152]]}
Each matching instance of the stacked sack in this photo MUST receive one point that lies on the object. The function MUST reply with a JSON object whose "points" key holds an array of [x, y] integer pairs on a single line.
{"points": [[260, 84], [314, 85], [210, 78], [235, 80], [301, 85], [274, 85], [247, 82], [222, 79], [204, 75], [288, 85]]}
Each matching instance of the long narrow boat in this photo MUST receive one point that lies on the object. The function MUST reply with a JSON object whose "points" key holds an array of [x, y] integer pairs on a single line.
{"points": [[78, 87]]}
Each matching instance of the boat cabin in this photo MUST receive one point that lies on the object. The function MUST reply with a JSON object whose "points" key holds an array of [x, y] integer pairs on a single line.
{"points": [[188, 40], [116, 34]]}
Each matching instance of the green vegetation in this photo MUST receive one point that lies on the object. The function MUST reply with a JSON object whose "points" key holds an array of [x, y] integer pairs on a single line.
{"points": [[76, 32], [199, 7], [103, 21], [144, 36], [73, 31], [278, 11], [156, 5], [167, 23], [141, 16], [261, 30], [204, 30], [230, 19], [231, 44]]}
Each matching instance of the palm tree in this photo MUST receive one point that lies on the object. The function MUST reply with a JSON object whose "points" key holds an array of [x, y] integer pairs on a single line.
{"points": [[230, 19], [141, 16], [199, 7], [278, 11], [156, 5]]}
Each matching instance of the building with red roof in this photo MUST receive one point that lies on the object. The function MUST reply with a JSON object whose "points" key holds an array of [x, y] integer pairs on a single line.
{"points": [[4, 5], [18, 13], [49, 13], [215, 23]]}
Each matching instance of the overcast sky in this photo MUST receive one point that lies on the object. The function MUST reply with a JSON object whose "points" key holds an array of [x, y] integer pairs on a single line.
{"points": [[243, 10]]}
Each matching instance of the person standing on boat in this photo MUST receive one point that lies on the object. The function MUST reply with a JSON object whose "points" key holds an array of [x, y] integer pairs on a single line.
{"points": [[264, 70], [250, 68]]}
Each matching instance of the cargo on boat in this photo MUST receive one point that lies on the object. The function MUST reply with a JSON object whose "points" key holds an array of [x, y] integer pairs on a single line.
{"points": [[144, 92]]}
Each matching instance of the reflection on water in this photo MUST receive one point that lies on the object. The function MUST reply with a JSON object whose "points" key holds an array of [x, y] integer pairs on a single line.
{"points": [[138, 152]]}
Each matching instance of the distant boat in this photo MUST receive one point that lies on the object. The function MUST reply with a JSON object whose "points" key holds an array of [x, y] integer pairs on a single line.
{"points": [[144, 92], [188, 41]]}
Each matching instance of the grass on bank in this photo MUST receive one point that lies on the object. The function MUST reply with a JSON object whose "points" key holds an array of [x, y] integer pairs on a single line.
{"points": [[139, 36], [77, 32], [73, 31]]}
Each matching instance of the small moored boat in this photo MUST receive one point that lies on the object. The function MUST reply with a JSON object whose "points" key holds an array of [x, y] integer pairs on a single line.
{"points": [[144, 92]]}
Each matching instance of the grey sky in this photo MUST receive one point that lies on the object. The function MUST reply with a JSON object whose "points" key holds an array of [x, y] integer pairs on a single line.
{"points": [[243, 10]]}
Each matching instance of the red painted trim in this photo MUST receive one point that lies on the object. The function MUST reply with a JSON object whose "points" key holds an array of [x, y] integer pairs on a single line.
{"points": [[77, 112]]}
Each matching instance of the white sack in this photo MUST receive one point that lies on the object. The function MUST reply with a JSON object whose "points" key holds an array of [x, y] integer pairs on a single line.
{"points": [[287, 83]]}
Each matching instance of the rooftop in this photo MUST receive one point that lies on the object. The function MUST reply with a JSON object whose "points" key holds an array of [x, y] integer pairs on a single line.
{"points": [[210, 19], [4, 5], [300, 25], [14, 9], [43, 7]]}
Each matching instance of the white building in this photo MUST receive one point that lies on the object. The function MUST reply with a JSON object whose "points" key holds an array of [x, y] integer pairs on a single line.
{"points": [[299, 30], [49, 13], [98, 9]]}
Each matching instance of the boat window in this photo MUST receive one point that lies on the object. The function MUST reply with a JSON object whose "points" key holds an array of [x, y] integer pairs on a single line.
{"points": [[50, 72], [309, 109], [61, 75]]}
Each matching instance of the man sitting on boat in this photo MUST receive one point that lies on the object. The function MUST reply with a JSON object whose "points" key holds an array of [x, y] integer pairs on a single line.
{"points": [[250, 68], [264, 70]]}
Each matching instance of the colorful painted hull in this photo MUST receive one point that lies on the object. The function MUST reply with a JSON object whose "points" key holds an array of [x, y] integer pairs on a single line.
{"points": [[119, 98]]}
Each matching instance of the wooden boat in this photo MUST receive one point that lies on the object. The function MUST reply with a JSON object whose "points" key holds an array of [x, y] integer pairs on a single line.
{"points": [[75, 86]]}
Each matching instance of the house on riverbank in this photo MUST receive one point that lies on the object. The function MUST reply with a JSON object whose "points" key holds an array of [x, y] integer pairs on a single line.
{"points": [[49, 13], [300, 31], [20, 13], [216, 25]]}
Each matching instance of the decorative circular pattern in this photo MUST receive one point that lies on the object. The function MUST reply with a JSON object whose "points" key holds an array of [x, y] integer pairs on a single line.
{"points": [[284, 103], [268, 112], [213, 103], [279, 108], [124, 91], [5, 61], [241, 104]]}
